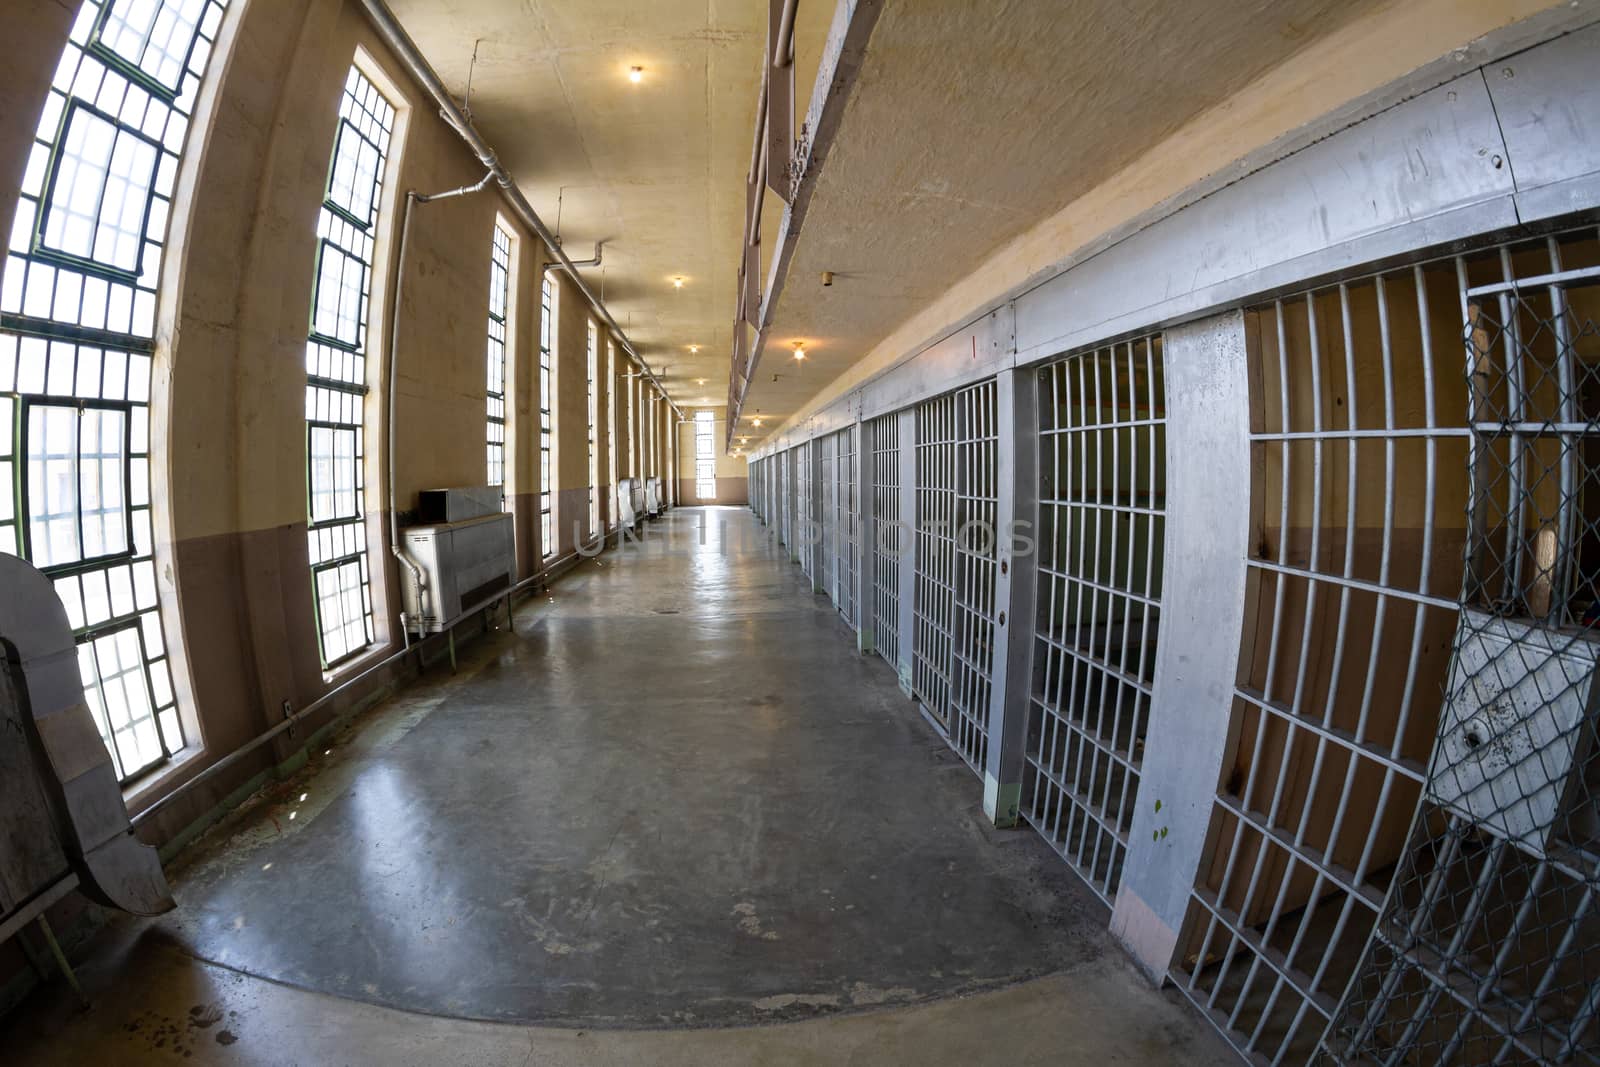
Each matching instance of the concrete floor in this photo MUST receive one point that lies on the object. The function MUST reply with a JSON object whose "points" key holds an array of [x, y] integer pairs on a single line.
{"points": [[672, 803]]}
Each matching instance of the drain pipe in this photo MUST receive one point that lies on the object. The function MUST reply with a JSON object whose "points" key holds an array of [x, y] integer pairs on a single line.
{"points": [[413, 198], [405, 50]]}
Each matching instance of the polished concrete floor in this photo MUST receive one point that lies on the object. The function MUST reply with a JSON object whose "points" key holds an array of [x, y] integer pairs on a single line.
{"points": [[672, 800]]}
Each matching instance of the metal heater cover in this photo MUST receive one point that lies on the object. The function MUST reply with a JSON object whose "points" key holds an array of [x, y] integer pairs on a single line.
{"points": [[464, 564], [459, 504], [1511, 730]]}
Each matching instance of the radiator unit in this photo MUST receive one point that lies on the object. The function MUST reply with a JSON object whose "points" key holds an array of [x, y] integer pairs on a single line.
{"points": [[463, 563], [652, 497]]}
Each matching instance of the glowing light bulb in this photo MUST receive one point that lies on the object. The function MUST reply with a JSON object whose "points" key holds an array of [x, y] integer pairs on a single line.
{"points": [[636, 74], [677, 283], [799, 351]]}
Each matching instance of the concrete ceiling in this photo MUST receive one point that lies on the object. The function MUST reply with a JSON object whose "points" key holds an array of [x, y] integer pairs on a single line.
{"points": [[970, 123], [656, 170]]}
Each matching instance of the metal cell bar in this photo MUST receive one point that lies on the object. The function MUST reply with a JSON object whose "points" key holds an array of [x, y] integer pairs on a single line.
{"points": [[1100, 502]]}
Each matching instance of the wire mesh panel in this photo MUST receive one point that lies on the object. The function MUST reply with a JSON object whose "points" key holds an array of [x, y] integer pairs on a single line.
{"points": [[1101, 526], [1488, 949], [954, 611], [1358, 490], [1365, 464], [845, 523], [884, 435]]}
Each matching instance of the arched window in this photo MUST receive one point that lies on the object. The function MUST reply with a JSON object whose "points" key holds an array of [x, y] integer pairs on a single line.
{"points": [[77, 321], [547, 419], [499, 312], [336, 372]]}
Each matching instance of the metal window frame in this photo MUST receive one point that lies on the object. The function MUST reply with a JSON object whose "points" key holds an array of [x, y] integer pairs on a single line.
{"points": [[359, 560], [130, 68], [87, 264], [131, 622], [25, 403]]}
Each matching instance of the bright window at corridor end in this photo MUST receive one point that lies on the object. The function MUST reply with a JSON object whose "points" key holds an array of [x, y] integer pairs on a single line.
{"points": [[705, 456], [77, 326]]}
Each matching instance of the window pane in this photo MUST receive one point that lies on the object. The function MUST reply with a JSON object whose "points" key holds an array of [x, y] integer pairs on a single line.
{"points": [[341, 287], [99, 192], [353, 180], [333, 473], [153, 36], [102, 465], [77, 464]]}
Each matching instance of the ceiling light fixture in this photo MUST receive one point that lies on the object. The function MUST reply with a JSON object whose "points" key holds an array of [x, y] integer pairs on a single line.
{"points": [[677, 283], [799, 350], [699, 381], [636, 74], [756, 422], [694, 349]]}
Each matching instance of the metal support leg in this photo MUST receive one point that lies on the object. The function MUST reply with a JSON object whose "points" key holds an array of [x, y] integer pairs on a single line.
{"points": [[61, 960]]}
